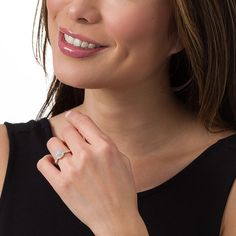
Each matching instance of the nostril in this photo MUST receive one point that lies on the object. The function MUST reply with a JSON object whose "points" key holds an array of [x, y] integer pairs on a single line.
{"points": [[83, 14], [83, 20]]}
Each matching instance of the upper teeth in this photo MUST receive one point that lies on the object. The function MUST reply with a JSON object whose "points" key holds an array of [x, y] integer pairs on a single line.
{"points": [[78, 42]]}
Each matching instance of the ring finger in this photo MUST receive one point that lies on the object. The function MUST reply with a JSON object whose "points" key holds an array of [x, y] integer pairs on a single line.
{"points": [[59, 151]]}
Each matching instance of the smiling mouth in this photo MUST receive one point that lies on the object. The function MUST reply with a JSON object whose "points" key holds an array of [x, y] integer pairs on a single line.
{"points": [[78, 40], [79, 43], [77, 46]]}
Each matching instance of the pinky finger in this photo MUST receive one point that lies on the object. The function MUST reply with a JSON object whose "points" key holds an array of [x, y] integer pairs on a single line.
{"points": [[47, 168]]}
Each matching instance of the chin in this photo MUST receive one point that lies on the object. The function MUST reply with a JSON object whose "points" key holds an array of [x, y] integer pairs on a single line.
{"points": [[82, 82], [79, 78]]}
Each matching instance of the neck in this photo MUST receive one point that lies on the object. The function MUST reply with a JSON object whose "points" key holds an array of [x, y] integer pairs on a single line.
{"points": [[137, 120]]}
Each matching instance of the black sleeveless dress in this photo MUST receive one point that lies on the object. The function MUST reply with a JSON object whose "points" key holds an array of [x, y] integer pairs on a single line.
{"points": [[189, 204]]}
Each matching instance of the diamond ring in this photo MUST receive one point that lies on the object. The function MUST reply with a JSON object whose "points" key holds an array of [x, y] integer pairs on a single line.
{"points": [[59, 154]]}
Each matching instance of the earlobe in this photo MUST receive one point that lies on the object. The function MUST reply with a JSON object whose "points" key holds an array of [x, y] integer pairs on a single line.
{"points": [[177, 47]]}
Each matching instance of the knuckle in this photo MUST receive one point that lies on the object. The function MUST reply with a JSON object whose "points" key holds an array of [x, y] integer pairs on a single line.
{"points": [[107, 148], [64, 184], [105, 138], [66, 131], [85, 157], [70, 169], [71, 175], [83, 120]]}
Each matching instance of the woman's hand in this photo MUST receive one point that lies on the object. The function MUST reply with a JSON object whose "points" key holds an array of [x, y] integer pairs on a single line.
{"points": [[95, 181]]}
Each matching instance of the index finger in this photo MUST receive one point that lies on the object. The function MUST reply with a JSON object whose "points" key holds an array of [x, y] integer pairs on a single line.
{"points": [[86, 127]]}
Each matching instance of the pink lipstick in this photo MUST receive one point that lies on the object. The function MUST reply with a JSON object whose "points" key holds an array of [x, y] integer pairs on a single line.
{"points": [[77, 46]]}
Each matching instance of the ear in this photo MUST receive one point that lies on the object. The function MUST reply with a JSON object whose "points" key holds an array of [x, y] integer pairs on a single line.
{"points": [[177, 46]]}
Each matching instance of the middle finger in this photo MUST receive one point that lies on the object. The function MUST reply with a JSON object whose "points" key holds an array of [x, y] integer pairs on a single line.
{"points": [[74, 140]]}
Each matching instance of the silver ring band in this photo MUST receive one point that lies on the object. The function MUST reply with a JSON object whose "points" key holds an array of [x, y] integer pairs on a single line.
{"points": [[59, 154]]}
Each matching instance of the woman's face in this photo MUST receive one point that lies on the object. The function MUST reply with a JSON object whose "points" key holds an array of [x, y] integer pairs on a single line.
{"points": [[134, 35]]}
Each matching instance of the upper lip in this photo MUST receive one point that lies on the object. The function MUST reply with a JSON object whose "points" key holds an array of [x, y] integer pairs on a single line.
{"points": [[80, 37]]}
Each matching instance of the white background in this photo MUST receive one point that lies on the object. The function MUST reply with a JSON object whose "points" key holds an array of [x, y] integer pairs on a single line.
{"points": [[23, 86]]}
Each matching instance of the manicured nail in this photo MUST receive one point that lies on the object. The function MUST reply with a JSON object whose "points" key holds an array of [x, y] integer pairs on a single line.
{"points": [[67, 114]]}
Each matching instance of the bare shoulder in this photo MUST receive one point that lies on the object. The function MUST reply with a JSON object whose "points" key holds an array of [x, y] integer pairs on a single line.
{"points": [[228, 227], [4, 153]]}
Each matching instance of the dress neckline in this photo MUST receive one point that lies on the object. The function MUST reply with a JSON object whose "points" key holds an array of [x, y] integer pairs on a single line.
{"points": [[182, 173], [178, 175]]}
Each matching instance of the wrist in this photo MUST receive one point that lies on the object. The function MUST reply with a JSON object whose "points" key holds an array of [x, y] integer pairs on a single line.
{"points": [[134, 226]]}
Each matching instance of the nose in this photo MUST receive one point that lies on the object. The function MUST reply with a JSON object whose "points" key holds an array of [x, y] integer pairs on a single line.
{"points": [[84, 11]]}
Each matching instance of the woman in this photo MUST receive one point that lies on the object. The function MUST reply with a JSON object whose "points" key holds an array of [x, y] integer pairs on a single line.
{"points": [[148, 145]]}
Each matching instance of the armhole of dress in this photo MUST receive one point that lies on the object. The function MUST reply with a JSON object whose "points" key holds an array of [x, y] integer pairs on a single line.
{"points": [[10, 161], [223, 209], [12, 129], [231, 178]]}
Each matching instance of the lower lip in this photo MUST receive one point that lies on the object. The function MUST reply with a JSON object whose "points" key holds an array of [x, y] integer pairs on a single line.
{"points": [[76, 52]]}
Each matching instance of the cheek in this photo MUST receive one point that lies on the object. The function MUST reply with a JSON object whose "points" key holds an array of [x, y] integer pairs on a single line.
{"points": [[54, 6], [139, 23]]}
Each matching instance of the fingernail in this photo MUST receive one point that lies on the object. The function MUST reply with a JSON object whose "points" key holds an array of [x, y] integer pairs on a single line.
{"points": [[67, 114]]}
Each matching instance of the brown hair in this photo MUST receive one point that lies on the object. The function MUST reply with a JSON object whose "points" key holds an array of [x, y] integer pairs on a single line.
{"points": [[206, 66]]}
